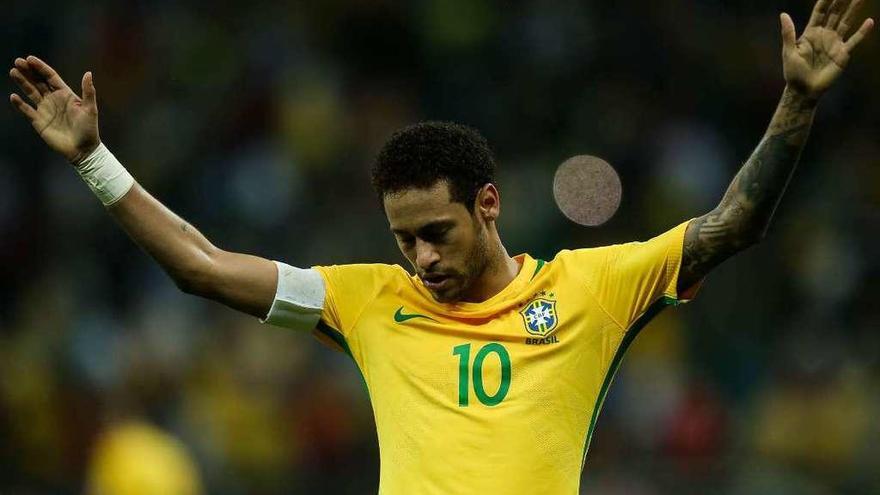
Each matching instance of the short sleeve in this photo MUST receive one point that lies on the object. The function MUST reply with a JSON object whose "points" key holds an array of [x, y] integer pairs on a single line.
{"points": [[349, 290], [628, 279]]}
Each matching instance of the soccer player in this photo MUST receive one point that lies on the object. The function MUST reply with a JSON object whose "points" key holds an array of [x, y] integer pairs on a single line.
{"points": [[486, 372]]}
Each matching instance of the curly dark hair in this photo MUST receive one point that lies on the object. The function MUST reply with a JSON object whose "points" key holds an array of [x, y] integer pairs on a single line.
{"points": [[419, 155]]}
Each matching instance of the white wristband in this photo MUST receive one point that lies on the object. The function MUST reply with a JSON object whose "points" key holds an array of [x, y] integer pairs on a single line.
{"points": [[106, 177]]}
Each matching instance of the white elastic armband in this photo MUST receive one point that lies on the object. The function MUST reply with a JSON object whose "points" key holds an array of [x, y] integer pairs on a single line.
{"points": [[106, 177], [299, 298]]}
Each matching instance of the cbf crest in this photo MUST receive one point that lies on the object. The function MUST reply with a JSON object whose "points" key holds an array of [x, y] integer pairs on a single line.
{"points": [[539, 315]]}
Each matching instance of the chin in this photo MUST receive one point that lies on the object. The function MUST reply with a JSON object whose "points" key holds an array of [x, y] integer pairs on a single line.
{"points": [[449, 295], [442, 297]]}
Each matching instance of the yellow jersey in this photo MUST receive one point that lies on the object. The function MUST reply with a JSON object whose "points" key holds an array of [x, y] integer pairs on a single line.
{"points": [[499, 396]]}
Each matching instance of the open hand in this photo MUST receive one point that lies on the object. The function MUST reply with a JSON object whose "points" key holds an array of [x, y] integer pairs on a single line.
{"points": [[66, 122], [815, 60]]}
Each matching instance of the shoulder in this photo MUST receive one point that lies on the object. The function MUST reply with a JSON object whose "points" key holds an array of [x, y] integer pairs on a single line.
{"points": [[585, 254], [351, 289], [586, 258], [362, 276], [657, 246], [594, 264]]}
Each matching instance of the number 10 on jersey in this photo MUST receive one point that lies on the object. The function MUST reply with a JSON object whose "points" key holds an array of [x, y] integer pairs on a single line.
{"points": [[464, 356]]}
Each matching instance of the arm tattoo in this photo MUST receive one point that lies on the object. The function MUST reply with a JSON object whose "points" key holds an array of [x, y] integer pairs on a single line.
{"points": [[744, 214]]}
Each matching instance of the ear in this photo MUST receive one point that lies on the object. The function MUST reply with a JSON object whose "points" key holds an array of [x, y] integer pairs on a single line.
{"points": [[488, 203]]}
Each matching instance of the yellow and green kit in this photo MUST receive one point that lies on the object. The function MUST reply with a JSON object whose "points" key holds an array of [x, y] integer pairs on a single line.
{"points": [[499, 396]]}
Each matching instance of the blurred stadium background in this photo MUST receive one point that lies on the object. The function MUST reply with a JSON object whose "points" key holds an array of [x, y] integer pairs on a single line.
{"points": [[258, 123]]}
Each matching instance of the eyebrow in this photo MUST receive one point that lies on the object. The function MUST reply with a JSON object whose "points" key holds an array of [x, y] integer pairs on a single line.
{"points": [[428, 228]]}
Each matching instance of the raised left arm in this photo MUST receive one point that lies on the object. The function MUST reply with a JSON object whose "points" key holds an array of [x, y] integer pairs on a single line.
{"points": [[811, 64]]}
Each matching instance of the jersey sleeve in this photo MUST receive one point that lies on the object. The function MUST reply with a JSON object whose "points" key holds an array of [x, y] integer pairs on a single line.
{"points": [[629, 279], [349, 291]]}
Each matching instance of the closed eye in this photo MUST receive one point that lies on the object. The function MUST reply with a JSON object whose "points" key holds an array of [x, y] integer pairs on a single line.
{"points": [[436, 237], [435, 233]]}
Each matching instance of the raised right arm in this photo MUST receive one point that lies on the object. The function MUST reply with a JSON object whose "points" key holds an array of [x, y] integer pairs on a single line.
{"points": [[69, 125]]}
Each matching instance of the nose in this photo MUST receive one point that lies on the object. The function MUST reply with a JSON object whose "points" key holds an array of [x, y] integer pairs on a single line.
{"points": [[426, 255]]}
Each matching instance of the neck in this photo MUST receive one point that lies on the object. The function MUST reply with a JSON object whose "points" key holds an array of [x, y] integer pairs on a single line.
{"points": [[499, 273]]}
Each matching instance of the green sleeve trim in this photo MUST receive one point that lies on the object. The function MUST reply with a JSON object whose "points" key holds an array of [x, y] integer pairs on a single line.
{"points": [[334, 335], [337, 337], [628, 338], [538, 268]]}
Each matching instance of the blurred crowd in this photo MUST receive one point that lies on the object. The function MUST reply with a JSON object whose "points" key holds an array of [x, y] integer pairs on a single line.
{"points": [[257, 123]]}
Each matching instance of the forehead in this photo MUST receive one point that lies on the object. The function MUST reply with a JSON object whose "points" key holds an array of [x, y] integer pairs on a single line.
{"points": [[410, 209]]}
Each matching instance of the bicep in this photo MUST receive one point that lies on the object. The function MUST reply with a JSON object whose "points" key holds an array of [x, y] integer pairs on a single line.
{"points": [[243, 282], [709, 240]]}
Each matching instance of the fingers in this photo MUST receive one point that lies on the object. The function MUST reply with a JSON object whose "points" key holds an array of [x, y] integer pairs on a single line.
{"points": [[29, 89], [835, 13], [27, 110], [848, 18], [789, 36], [47, 73], [88, 91], [820, 12], [859, 35], [25, 69]]}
